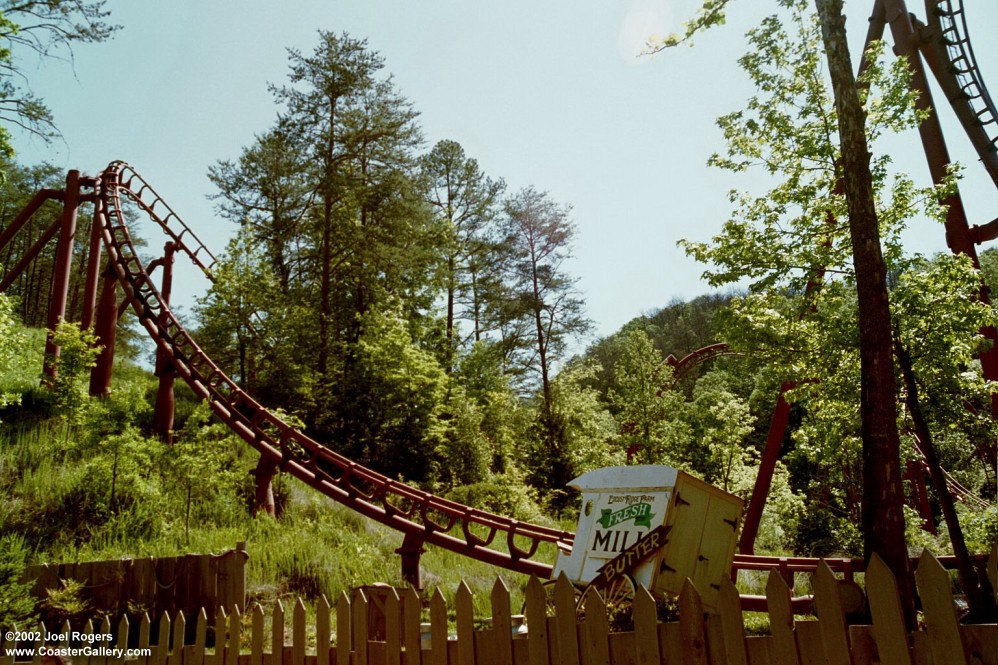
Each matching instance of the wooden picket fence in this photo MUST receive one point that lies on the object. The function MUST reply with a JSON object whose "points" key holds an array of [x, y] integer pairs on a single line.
{"points": [[556, 636], [158, 584]]}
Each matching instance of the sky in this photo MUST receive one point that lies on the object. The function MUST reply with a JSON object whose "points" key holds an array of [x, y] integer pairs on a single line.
{"points": [[543, 93]]}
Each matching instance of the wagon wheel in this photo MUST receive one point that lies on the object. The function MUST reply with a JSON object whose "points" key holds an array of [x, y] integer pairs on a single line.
{"points": [[618, 597]]}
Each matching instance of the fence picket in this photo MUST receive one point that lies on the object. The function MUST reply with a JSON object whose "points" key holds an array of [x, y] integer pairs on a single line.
{"points": [[809, 643], [597, 630], [502, 628], [888, 619], [105, 630], [323, 633], [256, 636], [715, 639], [537, 625], [566, 627], [694, 644], [759, 649], [646, 649], [781, 620], [864, 646], [732, 626], [563, 639], [162, 639], [218, 657], [235, 633], [299, 630], [344, 635], [359, 613], [465, 625], [177, 643], [393, 629], [200, 637], [941, 624], [831, 617], [123, 629], [277, 634], [438, 629], [410, 633]]}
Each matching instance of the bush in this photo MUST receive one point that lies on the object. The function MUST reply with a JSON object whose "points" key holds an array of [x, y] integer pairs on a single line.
{"points": [[501, 494], [16, 604]]}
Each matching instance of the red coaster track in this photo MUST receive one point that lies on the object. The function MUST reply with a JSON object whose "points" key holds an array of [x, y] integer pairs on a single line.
{"points": [[421, 516], [416, 513]]}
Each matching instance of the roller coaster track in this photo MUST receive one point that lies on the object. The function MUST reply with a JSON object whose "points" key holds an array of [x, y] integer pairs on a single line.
{"points": [[494, 539], [961, 79]]}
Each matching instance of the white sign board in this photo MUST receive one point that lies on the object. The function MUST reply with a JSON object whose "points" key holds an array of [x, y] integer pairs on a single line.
{"points": [[620, 504]]}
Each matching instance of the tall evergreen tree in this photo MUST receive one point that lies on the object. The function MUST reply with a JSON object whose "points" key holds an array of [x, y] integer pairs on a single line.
{"points": [[464, 201]]}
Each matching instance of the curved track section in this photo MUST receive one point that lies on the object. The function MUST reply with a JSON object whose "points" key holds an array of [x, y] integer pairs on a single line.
{"points": [[962, 82], [494, 539]]}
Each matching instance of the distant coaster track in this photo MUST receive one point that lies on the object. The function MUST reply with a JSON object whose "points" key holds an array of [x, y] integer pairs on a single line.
{"points": [[961, 79], [418, 514]]}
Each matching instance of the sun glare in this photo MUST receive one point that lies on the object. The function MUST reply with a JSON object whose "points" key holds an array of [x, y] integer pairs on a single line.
{"points": [[644, 20]]}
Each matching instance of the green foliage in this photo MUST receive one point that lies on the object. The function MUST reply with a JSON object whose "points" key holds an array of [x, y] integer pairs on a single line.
{"points": [[67, 603], [386, 411], [586, 430], [504, 494], [647, 406], [16, 604], [711, 13], [11, 339], [78, 355], [721, 424]]}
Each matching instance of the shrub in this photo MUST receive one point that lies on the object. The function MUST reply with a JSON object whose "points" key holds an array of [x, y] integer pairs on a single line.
{"points": [[16, 604]]}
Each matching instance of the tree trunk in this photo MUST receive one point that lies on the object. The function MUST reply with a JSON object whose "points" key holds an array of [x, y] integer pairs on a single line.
{"points": [[451, 287], [883, 493], [980, 600]]}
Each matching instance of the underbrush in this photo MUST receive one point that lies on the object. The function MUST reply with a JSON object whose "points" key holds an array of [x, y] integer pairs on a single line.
{"points": [[91, 482]]}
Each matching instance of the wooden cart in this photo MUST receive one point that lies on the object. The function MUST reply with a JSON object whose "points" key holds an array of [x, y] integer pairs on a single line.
{"points": [[655, 526]]}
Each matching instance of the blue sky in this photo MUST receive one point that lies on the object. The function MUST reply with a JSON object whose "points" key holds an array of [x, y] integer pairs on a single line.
{"points": [[545, 93]]}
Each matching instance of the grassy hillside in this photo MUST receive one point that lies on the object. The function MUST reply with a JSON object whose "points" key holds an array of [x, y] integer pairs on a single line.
{"points": [[89, 482]]}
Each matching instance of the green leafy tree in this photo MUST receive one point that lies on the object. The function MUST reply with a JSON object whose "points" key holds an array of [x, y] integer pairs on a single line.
{"points": [[505, 419], [651, 413], [200, 463], [11, 340], [539, 291], [79, 351], [722, 424], [818, 150], [267, 190], [388, 414], [362, 233], [16, 604], [590, 429]]}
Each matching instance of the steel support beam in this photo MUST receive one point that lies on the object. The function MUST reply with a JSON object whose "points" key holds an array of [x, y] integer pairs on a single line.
{"points": [[165, 400], [62, 269], [105, 329], [93, 268]]}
